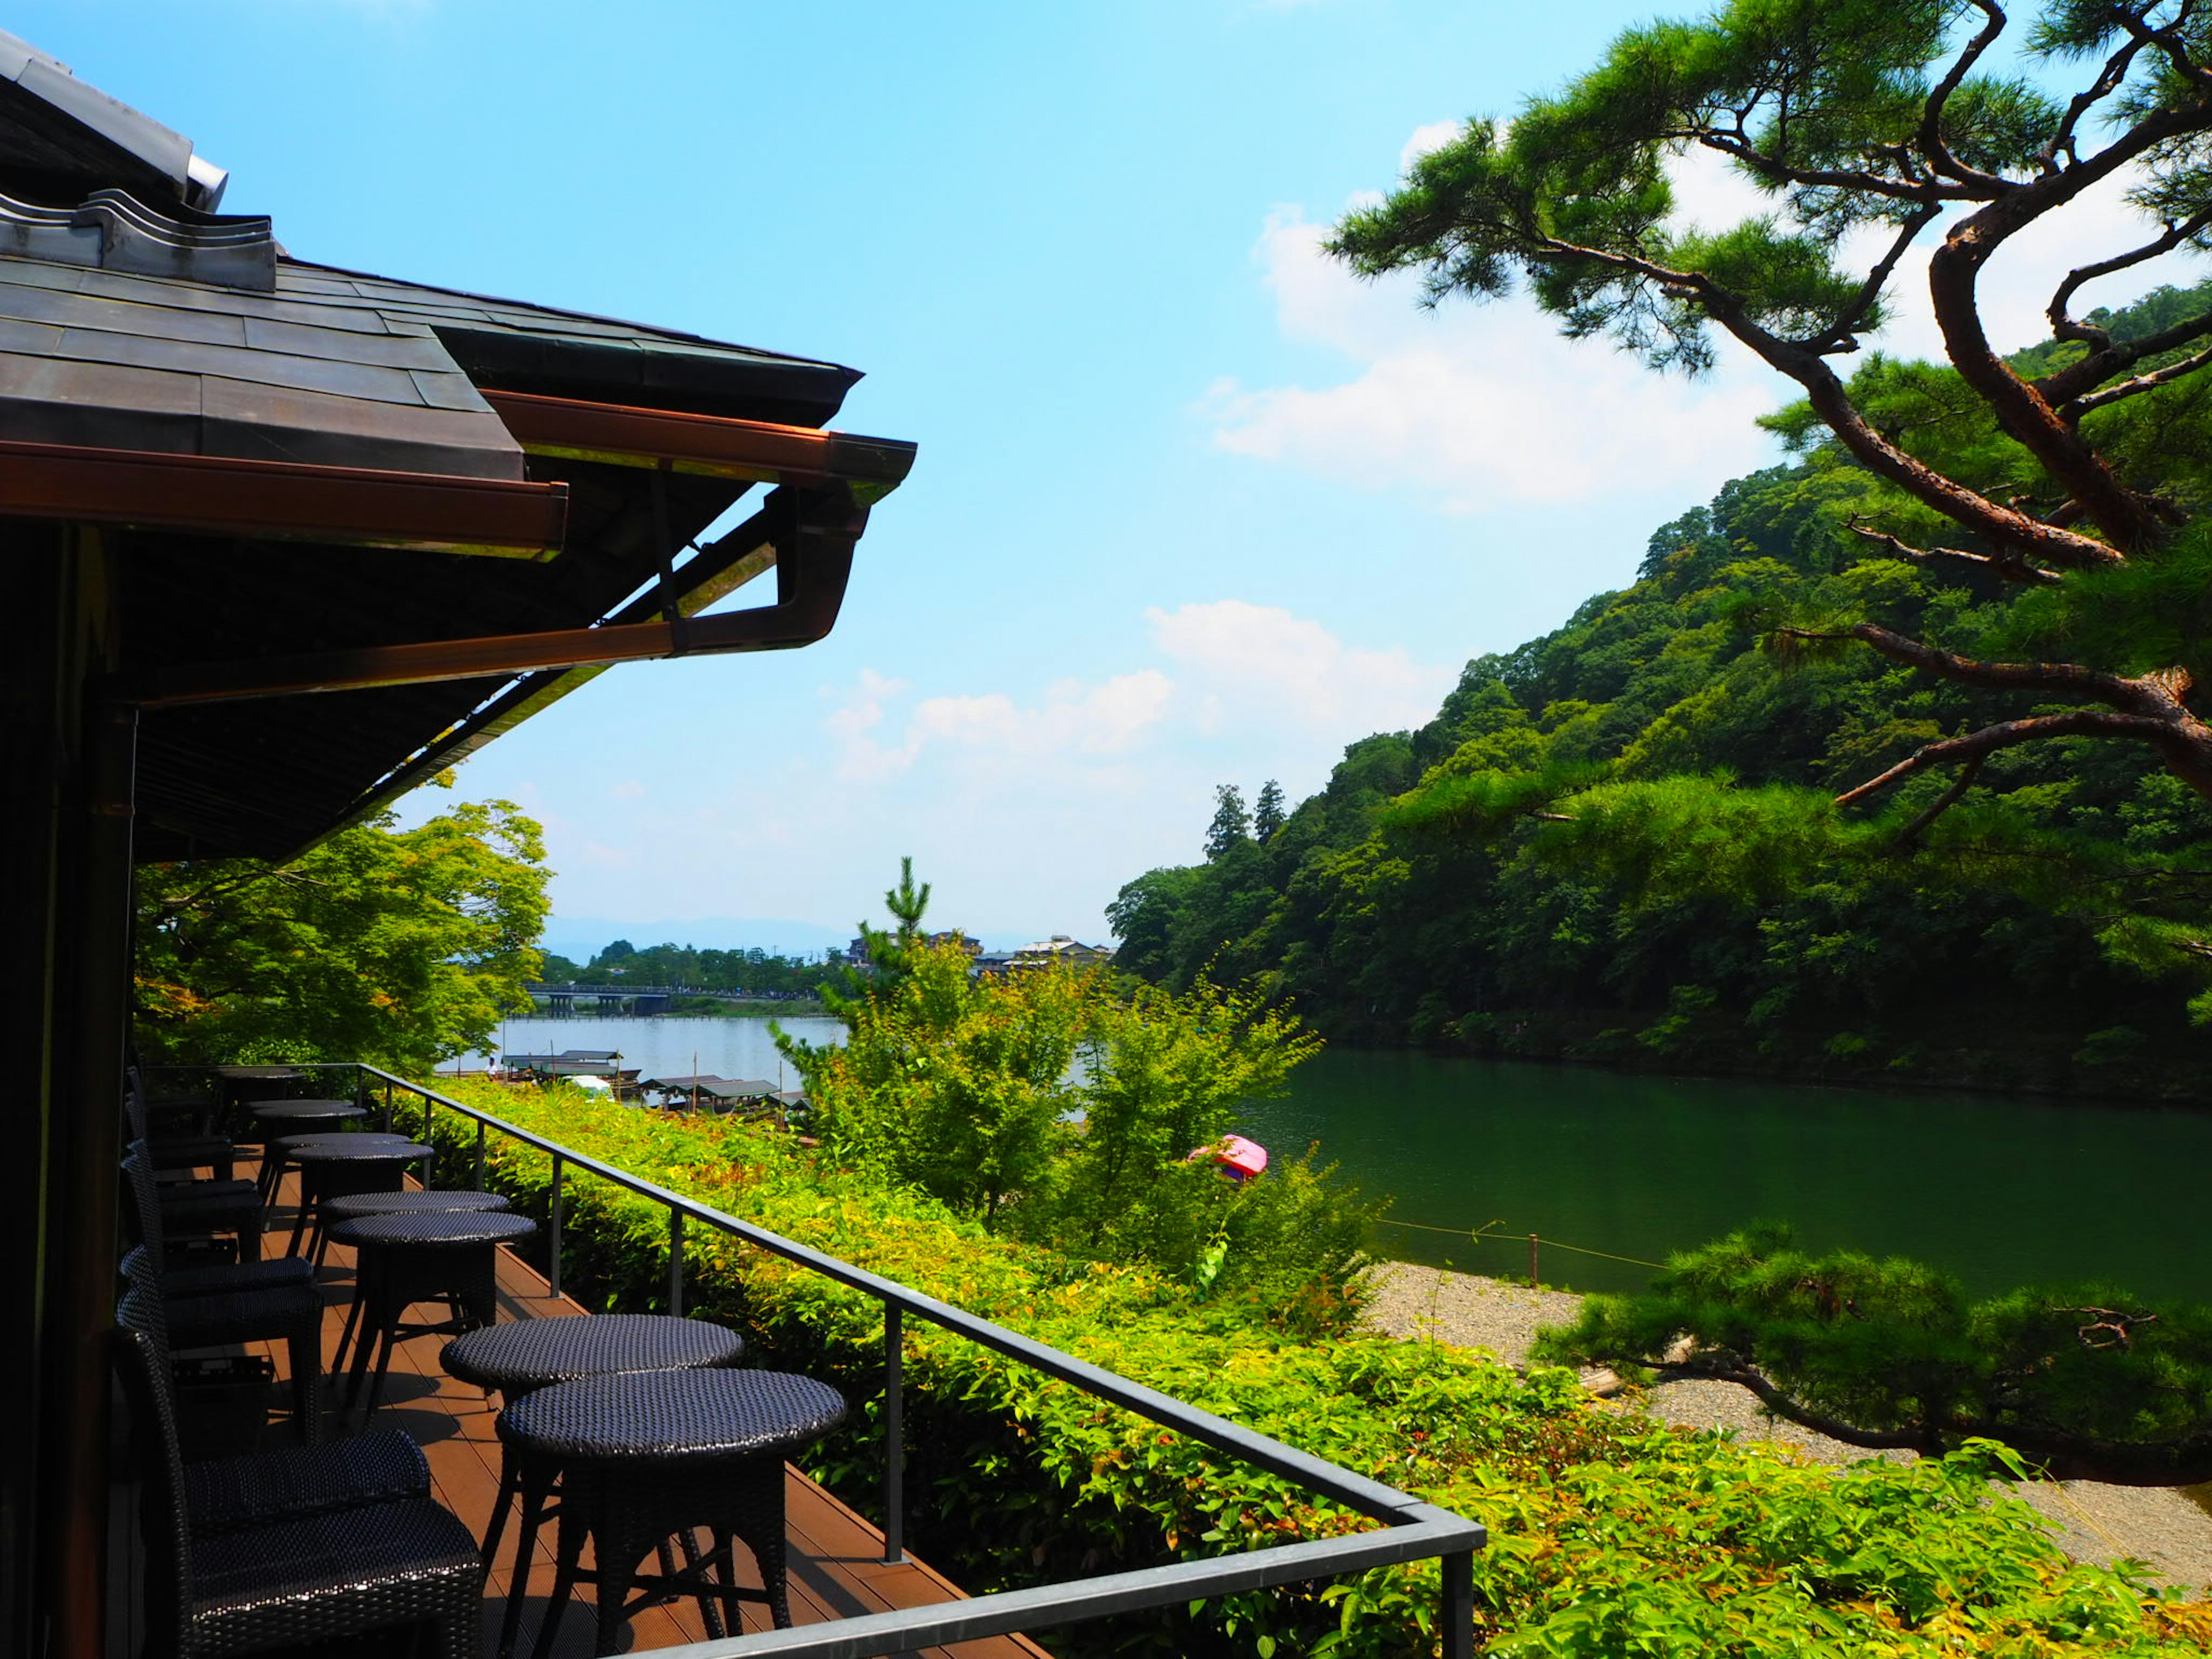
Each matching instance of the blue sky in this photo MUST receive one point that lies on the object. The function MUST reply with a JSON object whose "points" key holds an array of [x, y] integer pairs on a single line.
{"points": [[1192, 506]]}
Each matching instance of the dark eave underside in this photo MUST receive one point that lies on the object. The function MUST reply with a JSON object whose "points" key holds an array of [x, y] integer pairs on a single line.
{"points": [[265, 778]]}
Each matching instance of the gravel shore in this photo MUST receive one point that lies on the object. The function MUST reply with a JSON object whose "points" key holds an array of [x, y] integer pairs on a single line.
{"points": [[2097, 1523]]}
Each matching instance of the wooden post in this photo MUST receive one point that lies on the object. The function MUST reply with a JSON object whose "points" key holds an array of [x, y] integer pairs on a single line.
{"points": [[1532, 1261]]}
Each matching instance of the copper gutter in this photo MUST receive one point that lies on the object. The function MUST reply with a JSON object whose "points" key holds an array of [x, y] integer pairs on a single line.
{"points": [[284, 500], [716, 446], [719, 569]]}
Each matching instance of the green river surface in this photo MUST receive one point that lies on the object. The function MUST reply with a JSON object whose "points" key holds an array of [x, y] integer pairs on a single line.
{"points": [[2001, 1191]]}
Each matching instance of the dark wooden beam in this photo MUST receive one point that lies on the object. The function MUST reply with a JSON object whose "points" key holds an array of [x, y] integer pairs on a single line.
{"points": [[283, 499]]}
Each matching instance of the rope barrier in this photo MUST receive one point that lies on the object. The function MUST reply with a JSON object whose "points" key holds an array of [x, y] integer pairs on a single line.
{"points": [[1508, 1238]]}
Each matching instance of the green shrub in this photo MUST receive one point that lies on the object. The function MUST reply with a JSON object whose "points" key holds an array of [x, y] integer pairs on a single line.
{"points": [[1610, 1533]]}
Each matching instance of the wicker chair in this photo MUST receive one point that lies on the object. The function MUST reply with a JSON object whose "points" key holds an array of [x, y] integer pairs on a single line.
{"points": [[170, 1148], [313, 1577], [292, 1315], [151, 1231], [228, 1494]]}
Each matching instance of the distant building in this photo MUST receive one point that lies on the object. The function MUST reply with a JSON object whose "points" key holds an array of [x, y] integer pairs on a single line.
{"points": [[1062, 952], [967, 943]]}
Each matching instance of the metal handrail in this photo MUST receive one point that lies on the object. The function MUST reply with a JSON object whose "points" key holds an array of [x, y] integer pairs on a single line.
{"points": [[1415, 1530]]}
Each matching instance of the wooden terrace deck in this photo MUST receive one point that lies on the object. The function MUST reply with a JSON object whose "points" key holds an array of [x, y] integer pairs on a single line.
{"points": [[837, 1569]]}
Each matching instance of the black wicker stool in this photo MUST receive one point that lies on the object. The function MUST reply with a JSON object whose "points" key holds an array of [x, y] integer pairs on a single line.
{"points": [[648, 1454], [276, 1153], [277, 1118], [339, 1169], [406, 1259], [520, 1358]]}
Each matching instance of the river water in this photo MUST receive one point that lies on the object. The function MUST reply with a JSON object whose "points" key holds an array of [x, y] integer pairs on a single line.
{"points": [[2000, 1191]]}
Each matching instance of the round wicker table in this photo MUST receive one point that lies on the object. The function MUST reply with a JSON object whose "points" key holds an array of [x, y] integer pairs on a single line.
{"points": [[645, 1455], [354, 1206], [528, 1354], [403, 1258], [344, 1164]]}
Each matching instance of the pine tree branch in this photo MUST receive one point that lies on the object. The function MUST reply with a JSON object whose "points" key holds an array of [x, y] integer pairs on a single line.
{"points": [[2141, 383], [1909, 838], [2057, 386], [1737, 147], [1953, 273], [1842, 334], [1733, 1370], [1929, 137], [1976, 746], [2009, 564], [2110, 79]]}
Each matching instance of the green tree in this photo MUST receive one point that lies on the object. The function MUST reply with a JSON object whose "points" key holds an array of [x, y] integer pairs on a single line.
{"points": [[946, 1080], [1232, 825], [2085, 1379], [1061, 1106], [1267, 812], [402, 947], [1896, 118]]}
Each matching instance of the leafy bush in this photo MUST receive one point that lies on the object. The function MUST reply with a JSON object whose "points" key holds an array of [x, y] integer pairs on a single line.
{"points": [[1610, 1533], [1062, 1108]]}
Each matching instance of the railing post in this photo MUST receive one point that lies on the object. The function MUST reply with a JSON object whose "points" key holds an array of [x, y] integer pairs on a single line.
{"points": [[387, 1107], [1459, 1606], [480, 1155], [894, 1435], [553, 1228], [676, 1261], [1532, 1261], [430, 1163]]}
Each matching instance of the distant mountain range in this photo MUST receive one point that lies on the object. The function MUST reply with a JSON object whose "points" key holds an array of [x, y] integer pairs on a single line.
{"points": [[582, 937]]}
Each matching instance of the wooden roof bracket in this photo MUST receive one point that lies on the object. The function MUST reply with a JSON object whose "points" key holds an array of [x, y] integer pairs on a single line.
{"points": [[813, 531]]}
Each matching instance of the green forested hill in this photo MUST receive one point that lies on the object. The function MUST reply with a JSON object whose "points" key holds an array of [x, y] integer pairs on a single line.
{"points": [[1607, 844]]}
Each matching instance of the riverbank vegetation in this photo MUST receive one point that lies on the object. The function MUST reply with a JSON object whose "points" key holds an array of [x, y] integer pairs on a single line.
{"points": [[763, 973], [1622, 841], [1889, 761], [1611, 1533]]}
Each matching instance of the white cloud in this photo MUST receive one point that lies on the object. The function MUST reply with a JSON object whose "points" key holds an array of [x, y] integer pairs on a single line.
{"points": [[1229, 673], [1240, 661], [1476, 403], [1435, 135], [1069, 719], [628, 789]]}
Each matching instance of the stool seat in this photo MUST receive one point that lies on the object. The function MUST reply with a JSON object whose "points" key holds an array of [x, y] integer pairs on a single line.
{"points": [[535, 1353], [423, 1228], [267, 1111], [356, 1205], [641, 1417], [348, 1137]]}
